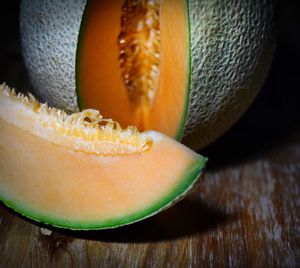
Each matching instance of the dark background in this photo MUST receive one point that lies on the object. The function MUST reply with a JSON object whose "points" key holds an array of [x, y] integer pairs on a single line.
{"points": [[246, 211], [273, 117]]}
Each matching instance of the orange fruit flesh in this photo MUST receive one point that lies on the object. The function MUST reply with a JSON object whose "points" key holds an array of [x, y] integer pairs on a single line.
{"points": [[101, 75], [75, 185]]}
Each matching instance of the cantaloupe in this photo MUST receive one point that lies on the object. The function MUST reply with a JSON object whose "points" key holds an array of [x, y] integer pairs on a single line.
{"points": [[182, 67], [81, 171]]}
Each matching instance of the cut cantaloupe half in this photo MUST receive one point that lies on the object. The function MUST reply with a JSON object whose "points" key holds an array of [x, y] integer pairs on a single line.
{"points": [[80, 171]]}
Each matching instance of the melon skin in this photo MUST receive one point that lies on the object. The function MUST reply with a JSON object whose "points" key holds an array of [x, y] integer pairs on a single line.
{"points": [[231, 47], [49, 31]]}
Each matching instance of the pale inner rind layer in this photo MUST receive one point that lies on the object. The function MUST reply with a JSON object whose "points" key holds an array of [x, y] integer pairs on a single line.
{"points": [[85, 131]]}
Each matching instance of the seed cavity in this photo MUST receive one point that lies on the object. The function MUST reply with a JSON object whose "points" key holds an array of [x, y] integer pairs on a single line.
{"points": [[139, 49]]}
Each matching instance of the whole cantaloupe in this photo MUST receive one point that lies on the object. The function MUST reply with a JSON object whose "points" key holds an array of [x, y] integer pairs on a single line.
{"points": [[186, 68]]}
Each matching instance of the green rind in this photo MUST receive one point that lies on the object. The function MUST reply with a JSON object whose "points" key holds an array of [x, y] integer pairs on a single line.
{"points": [[181, 126], [186, 184], [180, 134]]}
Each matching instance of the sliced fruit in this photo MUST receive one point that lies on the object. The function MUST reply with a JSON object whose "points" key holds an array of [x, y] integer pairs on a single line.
{"points": [[181, 67], [81, 171]]}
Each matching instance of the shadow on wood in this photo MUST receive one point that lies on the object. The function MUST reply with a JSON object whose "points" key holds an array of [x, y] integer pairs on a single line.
{"points": [[187, 218]]}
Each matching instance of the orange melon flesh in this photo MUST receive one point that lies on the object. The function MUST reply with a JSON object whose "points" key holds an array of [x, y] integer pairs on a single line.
{"points": [[90, 185], [98, 68]]}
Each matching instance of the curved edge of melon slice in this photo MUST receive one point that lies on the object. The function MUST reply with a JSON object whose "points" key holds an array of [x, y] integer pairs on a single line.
{"points": [[83, 172], [188, 183]]}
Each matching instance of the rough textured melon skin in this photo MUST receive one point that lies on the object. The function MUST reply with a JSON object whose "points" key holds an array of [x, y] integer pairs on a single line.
{"points": [[232, 46], [231, 50], [49, 36]]}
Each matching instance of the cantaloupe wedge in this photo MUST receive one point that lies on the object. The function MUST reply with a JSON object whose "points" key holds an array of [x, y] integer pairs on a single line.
{"points": [[80, 171]]}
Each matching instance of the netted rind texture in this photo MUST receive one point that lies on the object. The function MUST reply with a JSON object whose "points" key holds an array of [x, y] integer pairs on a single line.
{"points": [[49, 33], [231, 49]]}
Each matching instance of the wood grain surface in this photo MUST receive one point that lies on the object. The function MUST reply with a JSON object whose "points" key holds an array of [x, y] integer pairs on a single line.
{"points": [[244, 214]]}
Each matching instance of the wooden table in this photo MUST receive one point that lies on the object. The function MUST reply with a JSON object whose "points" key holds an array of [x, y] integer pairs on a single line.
{"points": [[245, 212]]}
